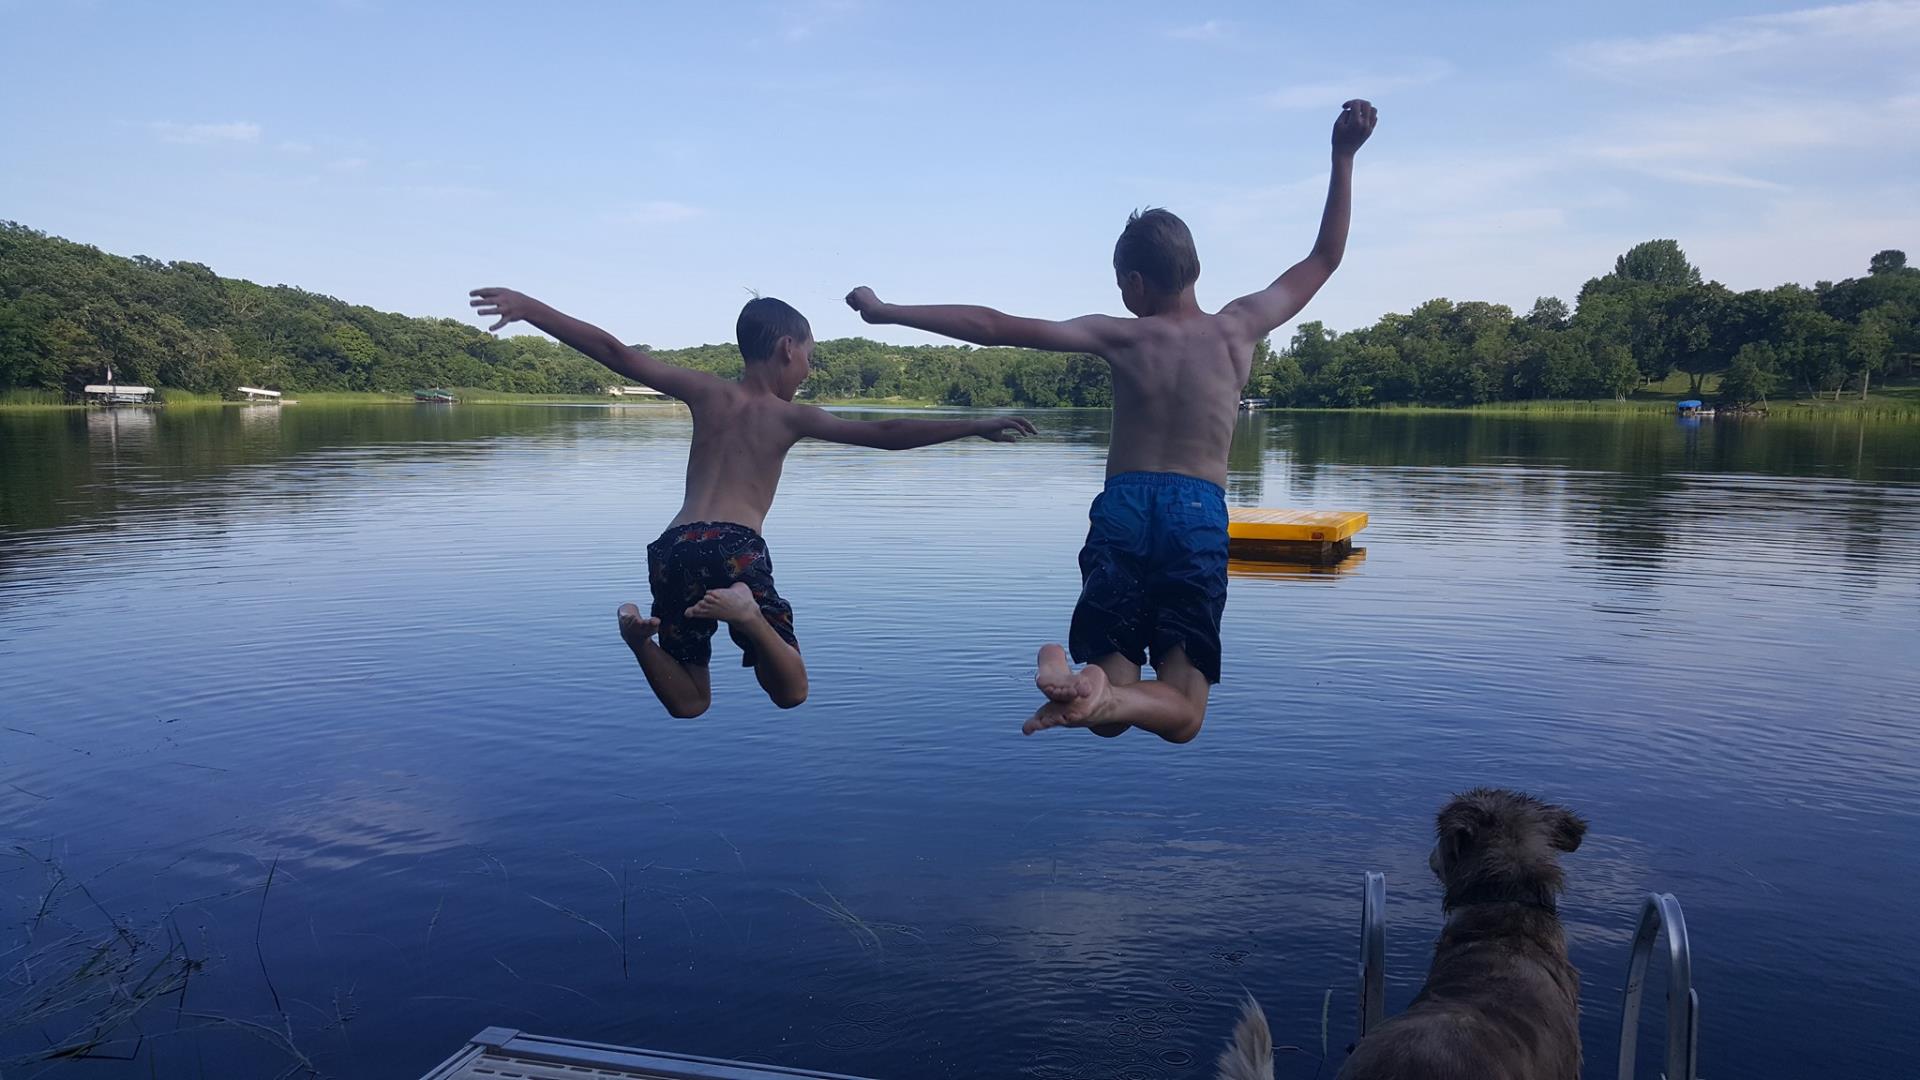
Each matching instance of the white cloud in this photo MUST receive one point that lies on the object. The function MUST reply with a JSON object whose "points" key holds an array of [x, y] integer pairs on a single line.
{"points": [[237, 131], [1708, 178], [658, 212], [1703, 144], [1210, 30], [347, 164], [1330, 93], [1888, 24], [295, 146]]}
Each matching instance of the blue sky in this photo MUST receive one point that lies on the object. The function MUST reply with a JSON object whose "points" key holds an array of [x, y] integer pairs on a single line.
{"points": [[643, 165]]}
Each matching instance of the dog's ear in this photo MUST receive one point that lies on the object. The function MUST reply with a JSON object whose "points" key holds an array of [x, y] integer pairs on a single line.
{"points": [[1568, 828], [1457, 828]]}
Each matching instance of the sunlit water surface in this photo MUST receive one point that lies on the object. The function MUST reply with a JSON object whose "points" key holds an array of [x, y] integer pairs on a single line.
{"points": [[369, 654]]}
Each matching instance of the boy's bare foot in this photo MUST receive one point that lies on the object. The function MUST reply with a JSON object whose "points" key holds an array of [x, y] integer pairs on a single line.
{"points": [[733, 604], [636, 629], [1055, 676], [1089, 697]]}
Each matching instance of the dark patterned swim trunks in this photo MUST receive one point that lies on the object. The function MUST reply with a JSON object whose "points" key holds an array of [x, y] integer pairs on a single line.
{"points": [[686, 562]]}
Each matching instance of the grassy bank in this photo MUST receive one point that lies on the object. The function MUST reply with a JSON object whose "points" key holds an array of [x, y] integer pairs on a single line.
{"points": [[467, 395], [1876, 407], [1896, 401], [876, 402], [21, 400]]}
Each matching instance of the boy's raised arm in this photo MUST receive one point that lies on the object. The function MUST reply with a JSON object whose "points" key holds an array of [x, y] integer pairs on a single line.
{"points": [[985, 326], [816, 423], [623, 359], [1261, 313]]}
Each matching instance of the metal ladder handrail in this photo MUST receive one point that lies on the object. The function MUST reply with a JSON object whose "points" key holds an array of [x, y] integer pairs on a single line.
{"points": [[1662, 911], [1373, 952]]}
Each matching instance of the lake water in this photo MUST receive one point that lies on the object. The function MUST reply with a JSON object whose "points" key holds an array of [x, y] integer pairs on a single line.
{"points": [[331, 700]]}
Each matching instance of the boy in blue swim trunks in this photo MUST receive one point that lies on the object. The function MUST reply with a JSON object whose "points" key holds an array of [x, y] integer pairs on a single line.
{"points": [[1154, 568], [711, 566]]}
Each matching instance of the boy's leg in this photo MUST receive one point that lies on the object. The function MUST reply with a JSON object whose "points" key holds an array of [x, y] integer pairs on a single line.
{"points": [[1108, 696], [782, 674], [685, 689]]}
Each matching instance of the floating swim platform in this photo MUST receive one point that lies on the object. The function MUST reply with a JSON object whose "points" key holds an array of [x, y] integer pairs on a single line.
{"points": [[1317, 537], [505, 1054], [1268, 570]]}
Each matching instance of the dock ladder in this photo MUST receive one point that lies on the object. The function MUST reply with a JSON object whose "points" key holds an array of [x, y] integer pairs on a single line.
{"points": [[1661, 911]]}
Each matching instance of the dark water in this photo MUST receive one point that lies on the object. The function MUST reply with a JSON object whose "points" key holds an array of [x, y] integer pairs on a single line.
{"points": [[370, 654]]}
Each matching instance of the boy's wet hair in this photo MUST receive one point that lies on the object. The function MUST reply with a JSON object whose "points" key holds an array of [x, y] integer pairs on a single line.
{"points": [[763, 322], [1157, 246]]}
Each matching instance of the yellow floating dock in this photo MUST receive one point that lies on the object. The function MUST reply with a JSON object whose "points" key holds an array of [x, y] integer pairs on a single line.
{"points": [[1317, 537], [1268, 570]]}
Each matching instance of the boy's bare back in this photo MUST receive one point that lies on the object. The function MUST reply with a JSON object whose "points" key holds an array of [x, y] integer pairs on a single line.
{"points": [[1176, 392], [1177, 370]]}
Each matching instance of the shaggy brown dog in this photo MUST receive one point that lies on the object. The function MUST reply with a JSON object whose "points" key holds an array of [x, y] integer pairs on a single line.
{"points": [[1502, 1002]]}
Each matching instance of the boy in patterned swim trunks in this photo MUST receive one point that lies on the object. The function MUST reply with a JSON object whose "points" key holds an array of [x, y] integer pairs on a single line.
{"points": [[1154, 568], [710, 566]]}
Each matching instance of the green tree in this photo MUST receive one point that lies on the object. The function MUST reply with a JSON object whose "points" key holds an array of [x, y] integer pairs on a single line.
{"points": [[1752, 375], [1868, 347], [1657, 262], [1616, 368], [1090, 383], [1694, 338], [354, 354], [1555, 365], [1812, 350], [1549, 313], [1889, 261]]}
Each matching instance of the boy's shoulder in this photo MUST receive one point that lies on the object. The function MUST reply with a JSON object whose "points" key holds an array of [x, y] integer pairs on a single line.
{"points": [[1156, 332]]}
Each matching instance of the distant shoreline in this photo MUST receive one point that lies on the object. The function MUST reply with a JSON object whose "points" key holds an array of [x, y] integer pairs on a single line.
{"points": [[1893, 407]]}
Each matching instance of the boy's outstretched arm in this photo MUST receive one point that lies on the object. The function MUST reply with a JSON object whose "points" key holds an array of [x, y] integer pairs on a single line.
{"points": [[1261, 313], [815, 423], [623, 359], [985, 326]]}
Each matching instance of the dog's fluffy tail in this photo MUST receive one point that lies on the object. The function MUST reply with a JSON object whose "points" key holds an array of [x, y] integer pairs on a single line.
{"points": [[1250, 1055]]}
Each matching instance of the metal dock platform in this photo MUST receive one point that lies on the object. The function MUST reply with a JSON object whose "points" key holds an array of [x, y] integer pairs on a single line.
{"points": [[505, 1054]]}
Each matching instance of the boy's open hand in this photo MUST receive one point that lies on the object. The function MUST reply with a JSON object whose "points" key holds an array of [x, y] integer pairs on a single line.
{"points": [[1354, 124], [999, 428], [509, 305], [863, 301]]}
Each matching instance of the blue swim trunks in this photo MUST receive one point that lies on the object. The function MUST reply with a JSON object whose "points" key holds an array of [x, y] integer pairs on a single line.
{"points": [[1153, 572]]}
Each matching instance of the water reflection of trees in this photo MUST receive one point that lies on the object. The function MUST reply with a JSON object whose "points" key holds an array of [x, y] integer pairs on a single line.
{"points": [[1625, 442], [1627, 486], [1637, 490], [69, 467]]}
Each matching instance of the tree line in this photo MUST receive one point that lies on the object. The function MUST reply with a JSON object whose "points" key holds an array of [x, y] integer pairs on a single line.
{"points": [[68, 311], [1651, 317]]}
